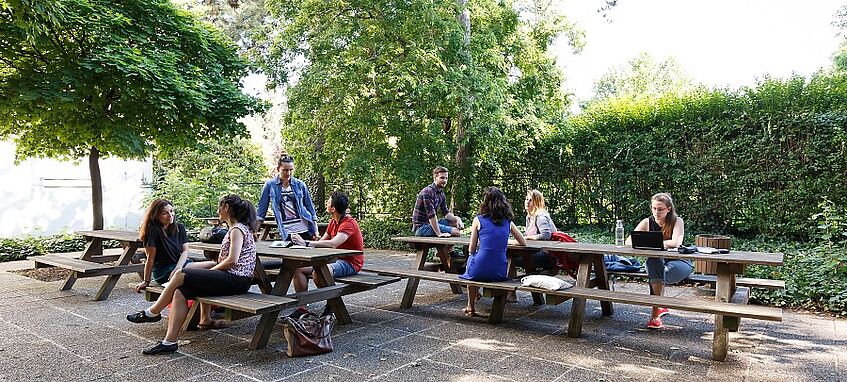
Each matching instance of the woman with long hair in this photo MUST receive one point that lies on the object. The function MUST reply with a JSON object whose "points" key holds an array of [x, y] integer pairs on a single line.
{"points": [[489, 238], [165, 244], [662, 271], [231, 274], [539, 226]]}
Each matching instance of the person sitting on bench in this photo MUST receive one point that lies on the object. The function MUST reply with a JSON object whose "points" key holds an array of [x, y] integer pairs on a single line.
{"points": [[489, 238], [232, 274], [342, 232], [165, 244], [659, 270]]}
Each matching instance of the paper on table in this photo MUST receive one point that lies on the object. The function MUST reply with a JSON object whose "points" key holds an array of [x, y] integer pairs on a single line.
{"points": [[280, 244], [707, 250], [298, 247]]}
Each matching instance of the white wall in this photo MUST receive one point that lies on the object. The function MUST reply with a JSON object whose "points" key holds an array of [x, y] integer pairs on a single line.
{"points": [[45, 196]]}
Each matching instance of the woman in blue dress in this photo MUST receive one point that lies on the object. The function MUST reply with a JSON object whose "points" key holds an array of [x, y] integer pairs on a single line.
{"points": [[489, 238]]}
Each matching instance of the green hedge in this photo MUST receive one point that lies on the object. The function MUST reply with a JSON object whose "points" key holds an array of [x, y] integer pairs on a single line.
{"points": [[750, 161], [21, 247]]}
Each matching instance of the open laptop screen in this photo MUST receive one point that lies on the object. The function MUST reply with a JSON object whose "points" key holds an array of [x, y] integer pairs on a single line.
{"points": [[648, 240]]}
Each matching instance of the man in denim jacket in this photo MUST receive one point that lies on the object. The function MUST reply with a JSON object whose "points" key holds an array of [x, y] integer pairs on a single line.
{"points": [[291, 202]]}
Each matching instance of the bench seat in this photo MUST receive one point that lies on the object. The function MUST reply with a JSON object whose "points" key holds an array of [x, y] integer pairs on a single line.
{"points": [[712, 279], [85, 268], [498, 290], [692, 305]]}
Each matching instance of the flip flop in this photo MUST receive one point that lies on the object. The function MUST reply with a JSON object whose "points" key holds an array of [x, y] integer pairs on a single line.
{"points": [[215, 324]]}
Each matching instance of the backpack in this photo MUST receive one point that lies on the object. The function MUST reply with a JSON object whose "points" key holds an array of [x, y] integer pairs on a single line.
{"points": [[615, 263], [562, 260], [214, 235]]}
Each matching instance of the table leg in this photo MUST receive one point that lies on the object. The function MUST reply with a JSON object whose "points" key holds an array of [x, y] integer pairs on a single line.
{"points": [[578, 304], [603, 283], [323, 278], [412, 283], [111, 280], [261, 277], [266, 232], [268, 320], [724, 288], [93, 247], [443, 252]]}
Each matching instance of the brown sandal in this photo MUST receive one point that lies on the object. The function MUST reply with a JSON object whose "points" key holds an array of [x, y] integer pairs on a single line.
{"points": [[215, 324]]}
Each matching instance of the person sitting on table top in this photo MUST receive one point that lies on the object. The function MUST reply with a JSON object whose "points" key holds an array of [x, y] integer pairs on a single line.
{"points": [[489, 238], [165, 243], [659, 270], [539, 226], [342, 232], [290, 202], [231, 274], [429, 203]]}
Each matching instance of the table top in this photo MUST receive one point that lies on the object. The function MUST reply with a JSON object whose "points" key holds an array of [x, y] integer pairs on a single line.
{"points": [[127, 236], [735, 257], [303, 254]]}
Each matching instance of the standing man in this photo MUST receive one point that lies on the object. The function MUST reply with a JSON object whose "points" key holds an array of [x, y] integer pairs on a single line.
{"points": [[430, 202]]}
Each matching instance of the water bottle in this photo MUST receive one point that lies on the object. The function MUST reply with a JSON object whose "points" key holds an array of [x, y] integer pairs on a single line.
{"points": [[619, 234]]}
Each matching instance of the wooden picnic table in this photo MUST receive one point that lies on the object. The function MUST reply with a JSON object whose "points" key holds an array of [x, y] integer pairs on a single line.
{"points": [[319, 258], [91, 262], [268, 227], [591, 262]]}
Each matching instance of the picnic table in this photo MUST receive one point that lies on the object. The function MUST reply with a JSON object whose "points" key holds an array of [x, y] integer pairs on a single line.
{"points": [[326, 290], [268, 227], [592, 282], [92, 261]]}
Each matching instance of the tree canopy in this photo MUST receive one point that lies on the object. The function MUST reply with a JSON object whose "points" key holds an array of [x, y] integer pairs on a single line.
{"points": [[116, 78], [385, 90], [643, 76]]}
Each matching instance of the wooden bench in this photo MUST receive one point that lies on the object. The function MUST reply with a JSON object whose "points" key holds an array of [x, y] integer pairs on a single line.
{"points": [[713, 279], [497, 290], [237, 306]]}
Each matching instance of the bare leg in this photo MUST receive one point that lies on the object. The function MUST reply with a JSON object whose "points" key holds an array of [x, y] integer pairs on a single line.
{"points": [[205, 313], [656, 288], [179, 310], [301, 282], [473, 295], [168, 294]]}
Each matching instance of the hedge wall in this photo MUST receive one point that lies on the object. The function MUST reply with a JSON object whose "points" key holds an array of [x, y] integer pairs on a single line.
{"points": [[756, 160]]}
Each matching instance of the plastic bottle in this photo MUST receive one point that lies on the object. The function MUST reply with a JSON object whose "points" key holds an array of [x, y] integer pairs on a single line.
{"points": [[619, 234]]}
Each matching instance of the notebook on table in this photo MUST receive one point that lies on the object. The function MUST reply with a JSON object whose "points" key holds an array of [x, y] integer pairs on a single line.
{"points": [[648, 240]]}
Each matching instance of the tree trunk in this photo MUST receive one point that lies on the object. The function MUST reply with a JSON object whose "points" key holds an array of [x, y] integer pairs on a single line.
{"points": [[96, 188], [459, 196]]}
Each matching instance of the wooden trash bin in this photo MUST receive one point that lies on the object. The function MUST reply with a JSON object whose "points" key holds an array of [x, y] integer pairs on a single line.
{"points": [[714, 241]]}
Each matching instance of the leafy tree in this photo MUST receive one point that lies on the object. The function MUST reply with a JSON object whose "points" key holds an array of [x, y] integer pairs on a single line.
{"points": [[194, 179], [643, 76], [114, 78], [383, 90]]}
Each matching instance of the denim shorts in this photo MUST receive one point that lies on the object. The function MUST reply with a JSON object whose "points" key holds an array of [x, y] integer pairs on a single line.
{"points": [[426, 229], [341, 268]]}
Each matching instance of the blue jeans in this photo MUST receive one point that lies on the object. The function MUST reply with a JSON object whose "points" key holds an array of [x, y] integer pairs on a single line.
{"points": [[341, 268], [426, 229], [668, 271]]}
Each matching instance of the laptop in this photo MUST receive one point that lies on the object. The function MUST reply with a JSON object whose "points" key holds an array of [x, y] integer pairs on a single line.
{"points": [[648, 240]]}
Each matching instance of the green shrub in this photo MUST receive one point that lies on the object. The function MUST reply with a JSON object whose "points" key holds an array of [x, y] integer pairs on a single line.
{"points": [[378, 233], [19, 248]]}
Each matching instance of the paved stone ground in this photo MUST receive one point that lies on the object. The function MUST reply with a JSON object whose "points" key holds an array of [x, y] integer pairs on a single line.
{"points": [[50, 335]]}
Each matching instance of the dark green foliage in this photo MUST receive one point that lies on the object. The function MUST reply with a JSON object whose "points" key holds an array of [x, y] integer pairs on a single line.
{"points": [[378, 233], [753, 161], [195, 179], [20, 248]]}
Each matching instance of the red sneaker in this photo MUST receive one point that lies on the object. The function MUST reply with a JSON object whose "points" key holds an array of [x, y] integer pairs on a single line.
{"points": [[655, 323], [663, 312]]}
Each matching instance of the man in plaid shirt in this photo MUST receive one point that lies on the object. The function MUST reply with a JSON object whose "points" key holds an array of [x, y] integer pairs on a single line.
{"points": [[429, 203]]}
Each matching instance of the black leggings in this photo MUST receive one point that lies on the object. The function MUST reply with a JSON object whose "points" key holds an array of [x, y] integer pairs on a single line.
{"points": [[207, 282]]}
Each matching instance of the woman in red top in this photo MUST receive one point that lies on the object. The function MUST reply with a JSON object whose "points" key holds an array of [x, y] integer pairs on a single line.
{"points": [[343, 232]]}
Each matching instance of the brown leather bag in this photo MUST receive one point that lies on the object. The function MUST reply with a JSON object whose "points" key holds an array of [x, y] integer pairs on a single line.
{"points": [[309, 334]]}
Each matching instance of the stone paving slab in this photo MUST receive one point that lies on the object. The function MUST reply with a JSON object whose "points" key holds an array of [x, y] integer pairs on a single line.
{"points": [[50, 335]]}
